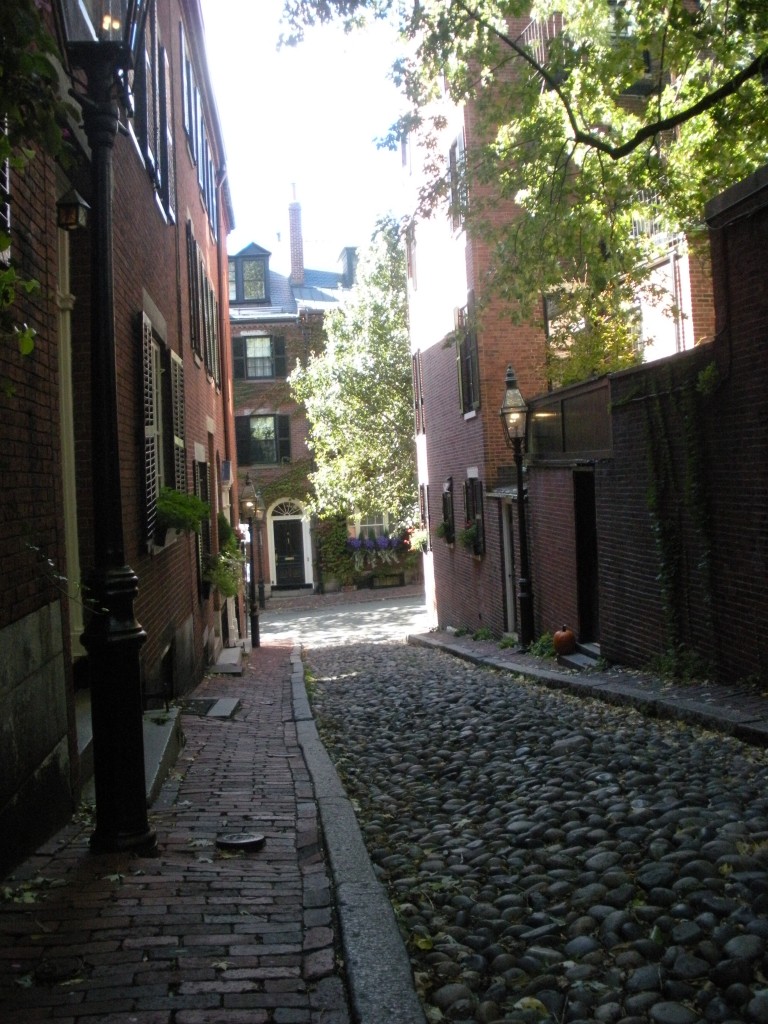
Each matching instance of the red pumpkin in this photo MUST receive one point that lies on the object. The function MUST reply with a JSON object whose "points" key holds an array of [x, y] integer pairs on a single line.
{"points": [[565, 641]]}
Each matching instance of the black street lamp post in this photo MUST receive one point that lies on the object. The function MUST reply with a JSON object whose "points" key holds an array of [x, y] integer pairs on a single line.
{"points": [[101, 41], [262, 598], [514, 414], [252, 509]]}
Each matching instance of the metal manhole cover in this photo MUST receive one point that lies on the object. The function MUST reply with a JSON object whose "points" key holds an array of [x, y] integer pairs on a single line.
{"points": [[197, 706], [241, 841]]}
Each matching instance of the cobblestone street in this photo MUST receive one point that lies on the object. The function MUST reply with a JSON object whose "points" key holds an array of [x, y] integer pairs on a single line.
{"points": [[551, 857]]}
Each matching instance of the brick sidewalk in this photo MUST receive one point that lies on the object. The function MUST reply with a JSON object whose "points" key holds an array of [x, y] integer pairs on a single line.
{"points": [[196, 935]]}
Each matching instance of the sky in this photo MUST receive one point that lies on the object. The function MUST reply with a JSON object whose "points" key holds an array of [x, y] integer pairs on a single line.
{"points": [[304, 117]]}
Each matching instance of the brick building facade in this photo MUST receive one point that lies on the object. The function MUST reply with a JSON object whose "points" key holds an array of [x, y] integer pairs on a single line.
{"points": [[276, 322], [171, 216], [463, 337], [648, 487]]}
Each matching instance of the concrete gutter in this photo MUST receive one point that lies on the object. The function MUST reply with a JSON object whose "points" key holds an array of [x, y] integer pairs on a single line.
{"points": [[377, 965]]}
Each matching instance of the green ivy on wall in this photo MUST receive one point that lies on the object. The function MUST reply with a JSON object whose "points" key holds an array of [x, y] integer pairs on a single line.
{"points": [[675, 409]]}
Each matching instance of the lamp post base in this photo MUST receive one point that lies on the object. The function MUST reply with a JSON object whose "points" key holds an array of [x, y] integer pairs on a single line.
{"points": [[113, 638]]}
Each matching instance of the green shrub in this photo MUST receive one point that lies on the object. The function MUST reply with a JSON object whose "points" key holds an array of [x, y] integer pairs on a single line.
{"points": [[543, 647]]}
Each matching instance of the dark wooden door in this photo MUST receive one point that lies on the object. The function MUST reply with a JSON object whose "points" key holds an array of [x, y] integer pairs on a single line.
{"points": [[289, 552], [586, 555]]}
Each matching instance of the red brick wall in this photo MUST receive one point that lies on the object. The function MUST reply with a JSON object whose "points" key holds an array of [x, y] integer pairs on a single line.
{"points": [[274, 396], [29, 426], [150, 260], [469, 589], [654, 436], [739, 425], [681, 504]]}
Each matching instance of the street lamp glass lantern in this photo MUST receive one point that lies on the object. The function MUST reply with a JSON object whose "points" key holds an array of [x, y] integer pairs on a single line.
{"points": [[513, 411], [251, 501], [116, 22]]}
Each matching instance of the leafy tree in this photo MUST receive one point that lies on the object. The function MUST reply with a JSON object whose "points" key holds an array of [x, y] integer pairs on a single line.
{"points": [[31, 117], [358, 392], [615, 114]]}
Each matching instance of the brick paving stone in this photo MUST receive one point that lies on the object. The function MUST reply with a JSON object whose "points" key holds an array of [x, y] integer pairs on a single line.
{"points": [[196, 935]]}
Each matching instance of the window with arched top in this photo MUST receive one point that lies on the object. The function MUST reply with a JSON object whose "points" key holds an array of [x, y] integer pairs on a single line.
{"points": [[287, 508]]}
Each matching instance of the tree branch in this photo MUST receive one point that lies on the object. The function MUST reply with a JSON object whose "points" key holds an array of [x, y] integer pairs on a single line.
{"points": [[648, 131]]}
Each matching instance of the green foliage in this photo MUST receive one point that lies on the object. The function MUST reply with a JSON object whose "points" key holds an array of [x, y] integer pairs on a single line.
{"points": [[227, 537], [225, 572], [507, 642], [708, 380], [358, 393], [681, 664], [419, 540], [683, 550], [467, 537], [180, 511], [444, 531], [484, 633], [333, 553], [543, 646], [605, 142], [32, 114]]}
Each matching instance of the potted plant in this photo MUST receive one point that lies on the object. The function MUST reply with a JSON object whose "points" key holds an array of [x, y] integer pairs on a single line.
{"points": [[178, 511]]}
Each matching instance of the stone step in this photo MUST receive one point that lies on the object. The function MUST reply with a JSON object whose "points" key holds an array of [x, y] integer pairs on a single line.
{"points": [[229, 662], [163, 739], [576, 660]]}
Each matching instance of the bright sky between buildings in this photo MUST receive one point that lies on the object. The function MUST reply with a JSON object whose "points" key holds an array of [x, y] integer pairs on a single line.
{"points": [[304, 116]]}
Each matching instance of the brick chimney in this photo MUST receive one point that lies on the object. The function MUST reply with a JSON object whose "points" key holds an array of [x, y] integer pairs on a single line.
{"points": [[297, 243]]}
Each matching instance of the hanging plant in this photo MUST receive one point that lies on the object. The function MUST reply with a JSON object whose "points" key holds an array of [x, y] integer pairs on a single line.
{"points": [[224, 572]]}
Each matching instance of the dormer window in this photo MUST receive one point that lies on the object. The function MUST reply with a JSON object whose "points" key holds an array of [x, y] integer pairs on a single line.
{"points": [[249, 276]]}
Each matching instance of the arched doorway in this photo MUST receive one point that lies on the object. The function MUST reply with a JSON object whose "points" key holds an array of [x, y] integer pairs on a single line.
{"points": [[290, 554]]}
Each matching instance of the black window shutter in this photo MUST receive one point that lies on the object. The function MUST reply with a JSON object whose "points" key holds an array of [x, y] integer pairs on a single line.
{"points": [[239, 358], [278, 356], [243, 440]]}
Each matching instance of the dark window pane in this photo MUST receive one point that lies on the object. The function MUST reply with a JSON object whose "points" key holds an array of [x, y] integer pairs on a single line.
{"points": [[253, 280]]}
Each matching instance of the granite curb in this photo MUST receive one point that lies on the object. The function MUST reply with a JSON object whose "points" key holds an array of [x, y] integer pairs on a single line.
{"points": [[735, 711], [377, 966]]}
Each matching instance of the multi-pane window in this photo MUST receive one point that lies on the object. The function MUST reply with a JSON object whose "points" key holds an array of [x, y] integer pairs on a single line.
{"points": [[466, 359], [371, 526], [263, 439], [197, 139], [258, 357], [248, 279], [254, 280], [153, 123]]}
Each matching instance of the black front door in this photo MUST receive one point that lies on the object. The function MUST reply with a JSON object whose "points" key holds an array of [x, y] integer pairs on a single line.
{"points": [[289, 552], [586, 555]]}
